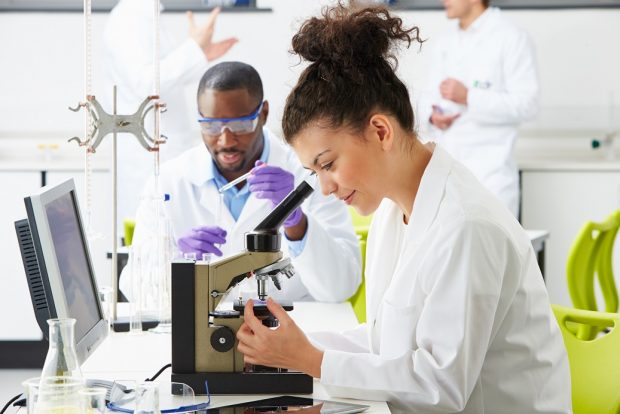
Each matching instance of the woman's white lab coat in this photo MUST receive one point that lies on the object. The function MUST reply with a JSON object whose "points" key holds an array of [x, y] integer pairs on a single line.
{"points": [[458, 315], [496, 62], [329, 266]]}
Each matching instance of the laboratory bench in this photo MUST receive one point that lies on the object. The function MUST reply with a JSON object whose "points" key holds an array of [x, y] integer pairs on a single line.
{"points": [[127, 356]]}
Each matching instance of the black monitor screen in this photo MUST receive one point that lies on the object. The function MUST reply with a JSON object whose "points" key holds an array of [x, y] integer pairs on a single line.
{"points": [[73, 264]]}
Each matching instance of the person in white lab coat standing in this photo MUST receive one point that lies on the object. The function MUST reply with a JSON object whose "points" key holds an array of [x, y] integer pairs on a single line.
{"points": [[458, 316], [484, 83], [128, 56], [318, 236]]}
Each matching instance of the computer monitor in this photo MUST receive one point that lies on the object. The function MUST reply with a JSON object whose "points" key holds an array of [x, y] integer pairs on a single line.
{"points": [[57, 262]]}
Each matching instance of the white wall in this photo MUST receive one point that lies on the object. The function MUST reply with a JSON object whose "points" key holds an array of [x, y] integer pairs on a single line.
{"points": [[41, 68]]}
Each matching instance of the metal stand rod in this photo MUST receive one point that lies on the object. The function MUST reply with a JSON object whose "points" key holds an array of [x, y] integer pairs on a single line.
{"points": [[114, 277]]}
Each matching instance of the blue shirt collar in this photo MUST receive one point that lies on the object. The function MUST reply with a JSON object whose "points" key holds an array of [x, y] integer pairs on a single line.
{"points": [[219, 179]]}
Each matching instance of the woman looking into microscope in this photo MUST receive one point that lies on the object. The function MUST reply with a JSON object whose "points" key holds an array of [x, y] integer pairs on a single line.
{"points": [[458, 315]]}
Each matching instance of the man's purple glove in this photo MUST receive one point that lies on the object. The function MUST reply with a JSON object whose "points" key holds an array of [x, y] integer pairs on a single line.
{"points": [[274, 184], [202, 240]]}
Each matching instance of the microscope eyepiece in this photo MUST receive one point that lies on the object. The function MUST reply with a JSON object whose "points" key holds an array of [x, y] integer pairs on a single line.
{"points": [[266, 236]]}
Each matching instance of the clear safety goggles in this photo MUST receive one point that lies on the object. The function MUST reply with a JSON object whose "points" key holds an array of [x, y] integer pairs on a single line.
{"points": [[164, 397], [241, 125]]}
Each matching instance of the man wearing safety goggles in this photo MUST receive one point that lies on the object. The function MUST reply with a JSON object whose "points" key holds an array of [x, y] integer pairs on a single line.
{"points": [[238, 126], [318, 235]]}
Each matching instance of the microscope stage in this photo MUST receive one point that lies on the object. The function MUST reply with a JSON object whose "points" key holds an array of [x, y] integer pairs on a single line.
{"points": [[260, 307]]}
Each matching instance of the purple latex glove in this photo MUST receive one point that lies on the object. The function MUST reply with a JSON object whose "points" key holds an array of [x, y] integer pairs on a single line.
{"points": [[202, 240], [274, 184]]}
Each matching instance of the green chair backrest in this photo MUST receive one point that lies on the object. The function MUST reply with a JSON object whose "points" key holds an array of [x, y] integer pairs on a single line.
{"points": [[594, 363], [590, 255], [358, 300], [128, 227]]}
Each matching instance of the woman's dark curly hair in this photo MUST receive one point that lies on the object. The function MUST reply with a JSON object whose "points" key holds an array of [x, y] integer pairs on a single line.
{"points": [[351, 72]]}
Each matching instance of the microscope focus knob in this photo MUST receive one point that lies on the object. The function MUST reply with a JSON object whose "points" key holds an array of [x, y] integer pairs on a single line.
{"points": [[223, 339]]}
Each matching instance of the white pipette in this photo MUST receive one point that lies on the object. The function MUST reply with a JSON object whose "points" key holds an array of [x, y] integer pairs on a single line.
{"points": [[235, 182]]}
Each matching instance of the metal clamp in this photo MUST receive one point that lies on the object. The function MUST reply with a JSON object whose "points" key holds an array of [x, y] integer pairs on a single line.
{"points": [[104, 123]]}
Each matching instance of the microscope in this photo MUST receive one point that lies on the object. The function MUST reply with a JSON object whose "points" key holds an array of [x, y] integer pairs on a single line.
{"points": [[204, 343]]}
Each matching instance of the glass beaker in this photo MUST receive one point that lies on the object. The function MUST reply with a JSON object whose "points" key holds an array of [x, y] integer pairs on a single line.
{"points": [[93, 400], [53, 395], [61, 359]]}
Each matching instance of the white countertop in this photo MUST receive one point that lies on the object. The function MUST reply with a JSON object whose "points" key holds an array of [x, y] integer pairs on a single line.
{"points": [[135, 357], [571, 153], [148, 351]]}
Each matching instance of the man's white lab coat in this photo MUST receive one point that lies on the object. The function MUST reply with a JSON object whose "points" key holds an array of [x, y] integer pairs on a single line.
{"points": [[329, 266], [128, 46], [496, 62], [458, 316]]}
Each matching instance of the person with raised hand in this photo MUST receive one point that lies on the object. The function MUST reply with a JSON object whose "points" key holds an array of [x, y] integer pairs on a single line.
{"points": [[128, 42]]}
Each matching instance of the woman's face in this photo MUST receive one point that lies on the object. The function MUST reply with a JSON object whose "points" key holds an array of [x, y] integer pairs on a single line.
{"points": [[346, 164]]}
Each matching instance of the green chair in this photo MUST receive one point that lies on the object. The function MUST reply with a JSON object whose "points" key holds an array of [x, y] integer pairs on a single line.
{"points": [[594, 363], [590, 254], [358, 300]]}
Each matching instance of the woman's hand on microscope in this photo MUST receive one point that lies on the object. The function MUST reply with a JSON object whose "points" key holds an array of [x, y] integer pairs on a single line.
{"points": [[203, 240], [283, 347]]}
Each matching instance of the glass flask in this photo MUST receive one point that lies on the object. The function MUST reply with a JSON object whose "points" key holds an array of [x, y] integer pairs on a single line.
{"points": [[152, 249], [61, 359]]}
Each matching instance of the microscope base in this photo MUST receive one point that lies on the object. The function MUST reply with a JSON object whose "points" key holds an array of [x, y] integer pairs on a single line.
{"points": [[247, 382]]}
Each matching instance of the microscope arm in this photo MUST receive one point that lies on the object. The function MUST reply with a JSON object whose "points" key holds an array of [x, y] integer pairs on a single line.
{"points": [[227, 273]]}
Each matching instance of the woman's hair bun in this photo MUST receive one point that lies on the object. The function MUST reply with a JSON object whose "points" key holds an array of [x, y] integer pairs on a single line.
{"points": [[348, 36]]}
